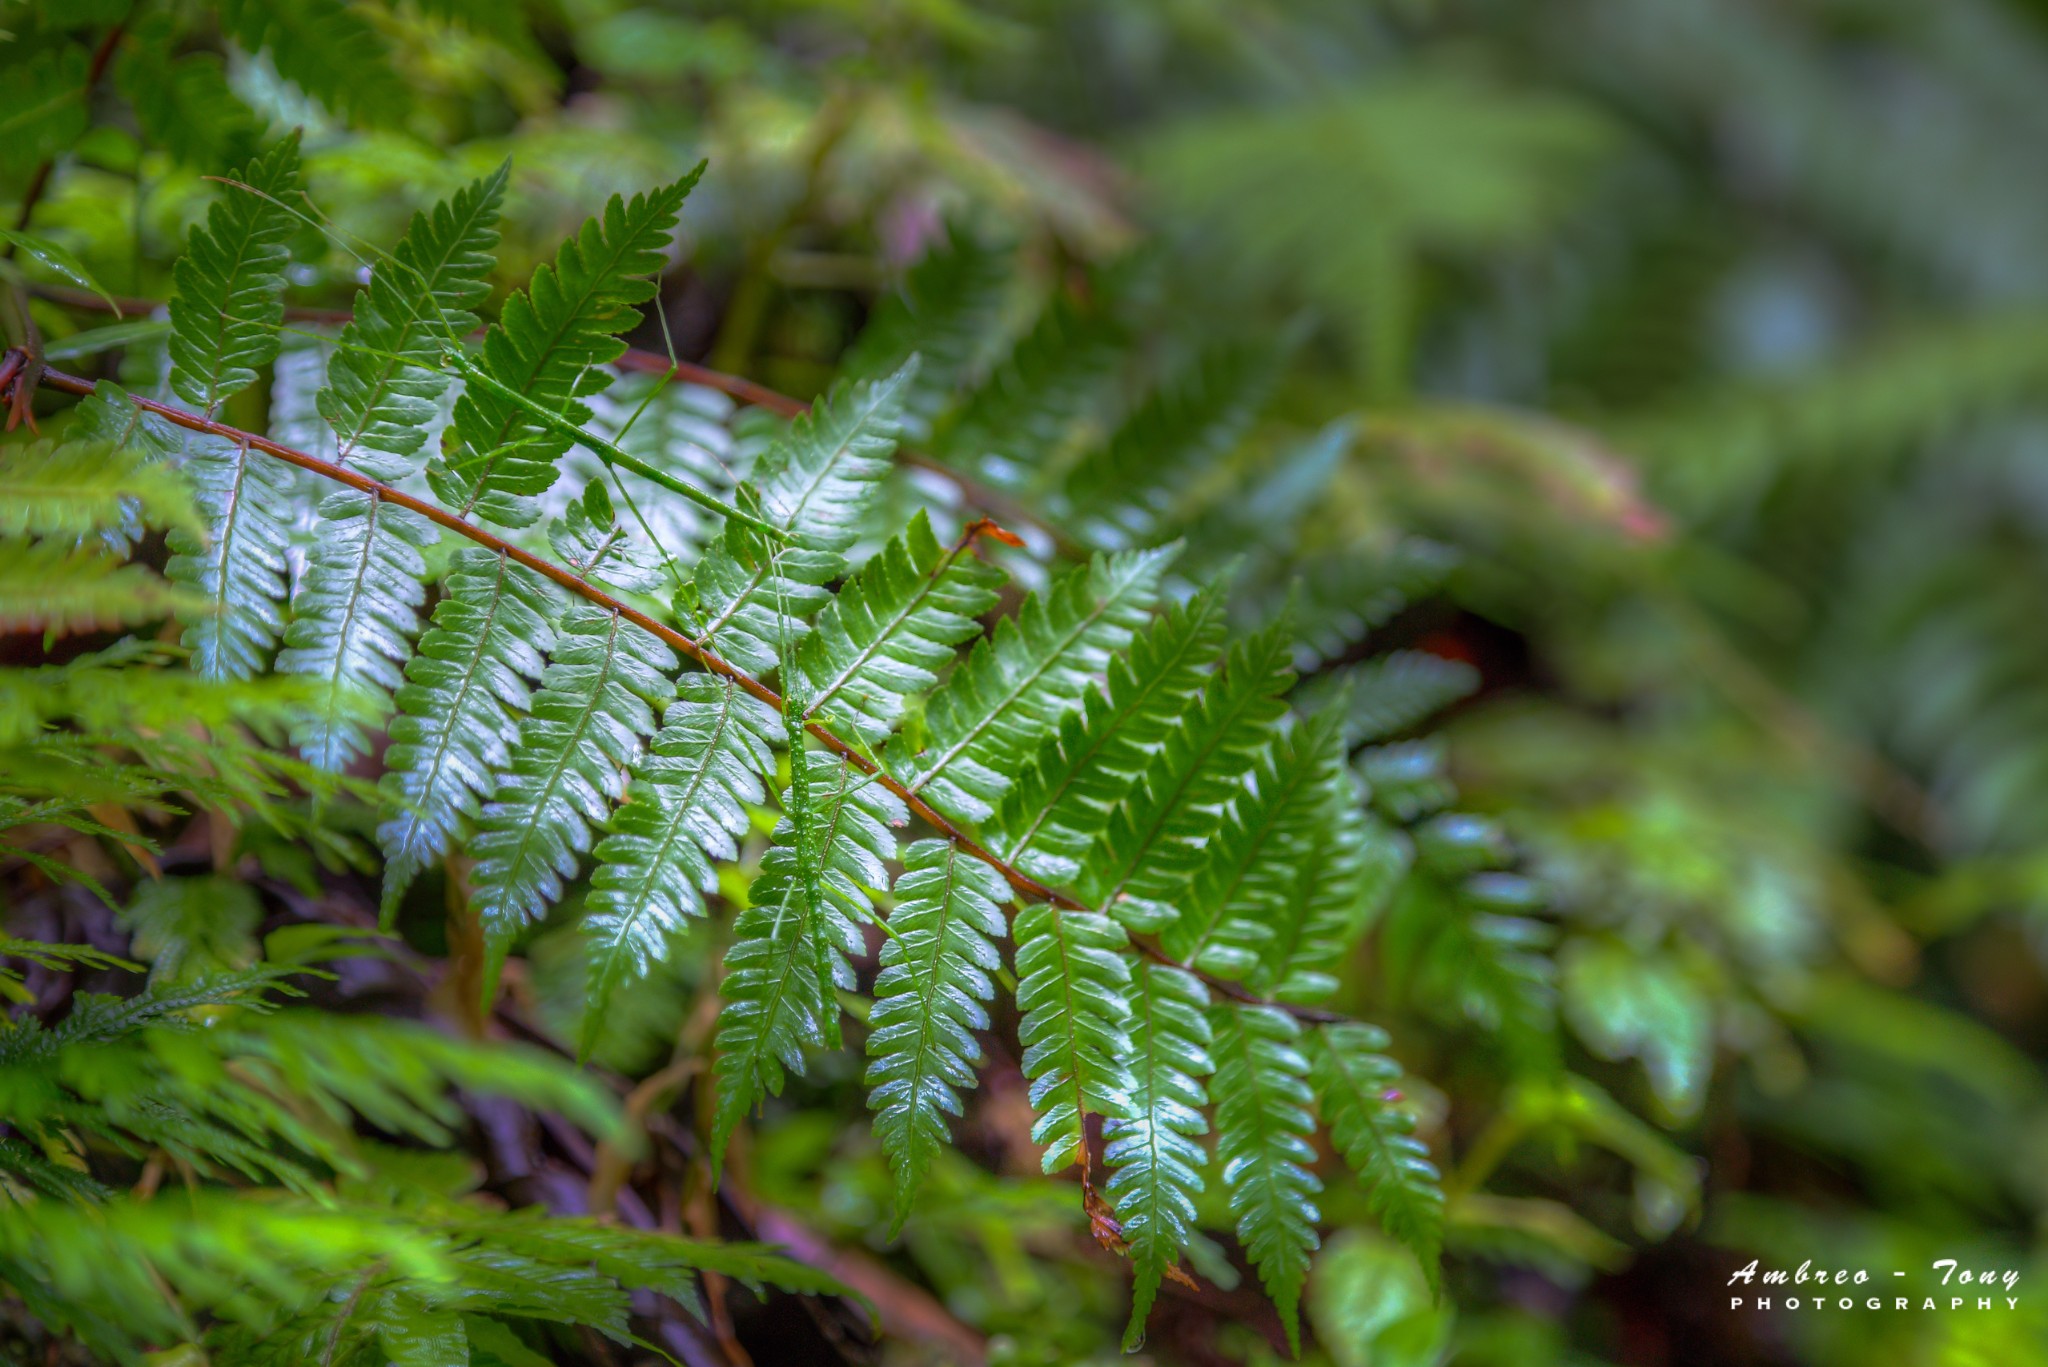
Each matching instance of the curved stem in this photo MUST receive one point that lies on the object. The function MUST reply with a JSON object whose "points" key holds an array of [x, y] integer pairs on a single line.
{"points": [[1020, 882]]}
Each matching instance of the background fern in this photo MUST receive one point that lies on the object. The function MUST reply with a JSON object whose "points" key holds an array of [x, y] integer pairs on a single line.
{"points": [[1500, 674]]}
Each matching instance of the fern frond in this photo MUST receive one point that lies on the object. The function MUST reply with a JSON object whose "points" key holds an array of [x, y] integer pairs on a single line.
{"points": [[228, 297], [935, 976], [1015, 428], [385, 381], [354, 620], [790, 944], [1156, 1164], [1314, 908], [815, 482], [591, 716], [82, 487], [1073, 996], [550, 345], [684, 430], [1263, 1128], [1354, 1085], [57, 589], [888, 632], [1394, 692], [942, 315], [1294, 875], [1064, 796], [1159, 837], [465, 691], [325, 48], [591, 541], [1122, 494], [1011, 691], [238, 570], [1444, 948], [1244, 886], [686, 806]]}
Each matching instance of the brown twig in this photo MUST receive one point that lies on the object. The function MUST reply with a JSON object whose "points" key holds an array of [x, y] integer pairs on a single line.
{"points": [[1020, 882]]}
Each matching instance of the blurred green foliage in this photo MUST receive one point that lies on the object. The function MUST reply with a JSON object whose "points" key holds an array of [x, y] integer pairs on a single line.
{"points": [[1635, 403]]}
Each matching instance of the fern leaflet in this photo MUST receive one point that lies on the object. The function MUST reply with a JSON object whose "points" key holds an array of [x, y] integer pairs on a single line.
{"points": [[465, 691], [354, 620], [385, 382], [790, 943], [549, 346], [1354, 1082], [1064, 796], [1263, 1126], [228, 288], [816, 483], [1073, 988], [592, 714], [225, 316], [1011, 691], [686, 808], [888, 632], [1156, 1163], [935, 976], [1159, 836]]}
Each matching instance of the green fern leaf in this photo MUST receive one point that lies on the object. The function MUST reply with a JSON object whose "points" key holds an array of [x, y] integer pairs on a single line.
{"points": [[1013, 431], [943, 316], [49, 587], [592, 714], [1445, 947], [1156, 1163], [354, 621], [1354, 1083], [82, 487], [889, 631], [550, 345], [1122, 494], [1312, 905], [682, 429], [228, 298], [790, 943], [225, 316], [237, 572], [815, 482], [1159, 838], [1401, 689], [1064, 797], [325, 48], [928, 1002], [1263, 1149], [1073, 996], [381, 400], [590, 540], [1010, 693], [1295, 874], [686, 807], [460, 706]]}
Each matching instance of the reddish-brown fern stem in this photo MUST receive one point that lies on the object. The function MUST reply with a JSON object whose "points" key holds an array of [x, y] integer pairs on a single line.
{"points": [[1005, 509], [40, 181], [1019, 881]]}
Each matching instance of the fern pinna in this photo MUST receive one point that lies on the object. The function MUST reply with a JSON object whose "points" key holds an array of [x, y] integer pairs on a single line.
{"points": [[1100, 786]]}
